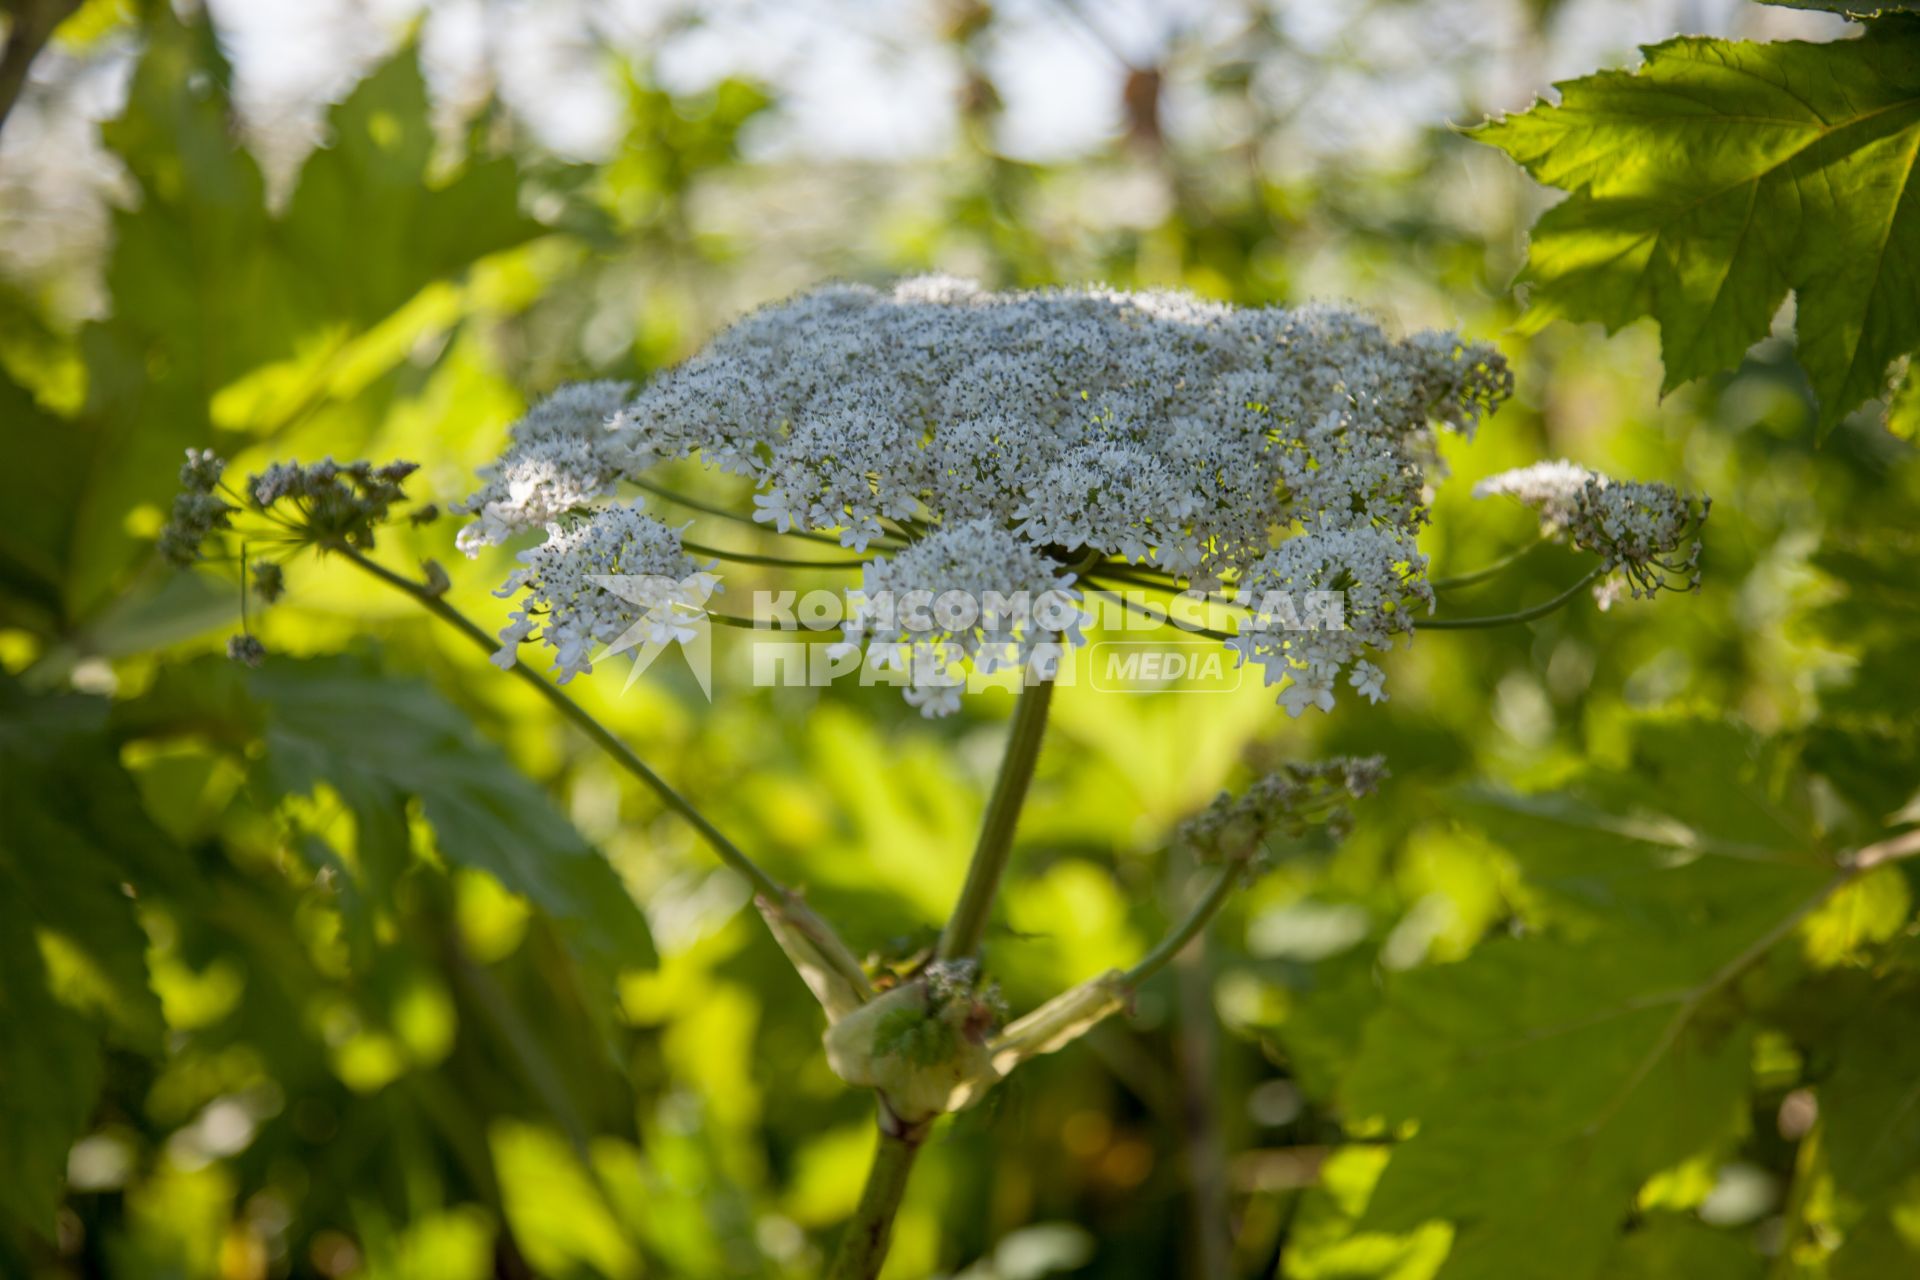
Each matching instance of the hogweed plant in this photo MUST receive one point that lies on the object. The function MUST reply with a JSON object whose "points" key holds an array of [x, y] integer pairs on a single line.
{"points": [[990, 465]]}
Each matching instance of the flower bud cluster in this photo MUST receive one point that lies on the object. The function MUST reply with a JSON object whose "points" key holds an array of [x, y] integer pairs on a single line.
{"points": [[327, 504], [198, 512], [1284, 803]]}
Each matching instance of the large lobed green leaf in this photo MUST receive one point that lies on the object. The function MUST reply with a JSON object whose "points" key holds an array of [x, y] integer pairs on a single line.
{"points": [[380, 742], [1720, 175], [229, 315], [1542, 1082]]}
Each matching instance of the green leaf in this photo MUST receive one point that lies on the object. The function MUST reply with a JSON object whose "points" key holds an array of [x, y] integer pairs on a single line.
{"points": [[1873, 1251], [1669, 1247], [49, 1074], [38, 493], [1719, 176], [76, 842], [228, 316], [366, 220], [379, 741], [1903, 405], [1870, 1105], [72, 954], [1546, 1078], [1549, 1082]]}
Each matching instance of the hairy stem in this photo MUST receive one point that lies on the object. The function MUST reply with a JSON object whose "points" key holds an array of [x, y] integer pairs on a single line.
{"points": [[863, 1247], [769, 889], [968, 924]]}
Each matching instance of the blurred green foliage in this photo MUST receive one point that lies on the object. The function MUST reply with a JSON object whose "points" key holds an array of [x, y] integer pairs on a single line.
{"points": [[301, 975]]}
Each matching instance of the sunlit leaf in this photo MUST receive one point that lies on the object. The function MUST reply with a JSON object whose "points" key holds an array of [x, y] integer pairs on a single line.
{"points": [[381, 741], [1548, 1077], [1719, 176]]}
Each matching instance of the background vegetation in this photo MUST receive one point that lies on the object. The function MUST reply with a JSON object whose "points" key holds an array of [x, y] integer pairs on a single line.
{"points": [[362, 964]]}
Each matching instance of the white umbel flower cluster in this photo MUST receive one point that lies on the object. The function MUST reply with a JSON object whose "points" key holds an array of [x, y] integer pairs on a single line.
{"points": [[571, 612], [973, 596], [1282, 450], [561, 459], [1645, 533]]}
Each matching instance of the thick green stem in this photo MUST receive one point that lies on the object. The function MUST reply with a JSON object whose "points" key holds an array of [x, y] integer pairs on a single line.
{"points": [[968, 924], [769, 889], [864, 1246]]}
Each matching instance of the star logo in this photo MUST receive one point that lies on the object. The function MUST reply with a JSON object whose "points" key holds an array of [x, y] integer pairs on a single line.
{"points": [[672, 612]]}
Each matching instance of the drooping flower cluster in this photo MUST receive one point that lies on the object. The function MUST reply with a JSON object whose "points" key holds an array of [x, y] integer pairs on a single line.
{"points": [[1646, 534], [620, 579], [1284, 450], [1284, 803]]}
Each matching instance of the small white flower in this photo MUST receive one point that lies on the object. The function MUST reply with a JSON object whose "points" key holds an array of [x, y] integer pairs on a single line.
{"points": [[856, 536], [1307, 690], [511, 638], [773, 508], [934, 700], [1180, 556], [1369, 681], [1241, 647]]}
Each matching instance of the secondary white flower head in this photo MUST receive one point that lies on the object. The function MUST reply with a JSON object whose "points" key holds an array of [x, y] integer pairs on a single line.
{"points": [[974, 595], [1644, 532], [560, 459], [572, 610], [1281, 448]]}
